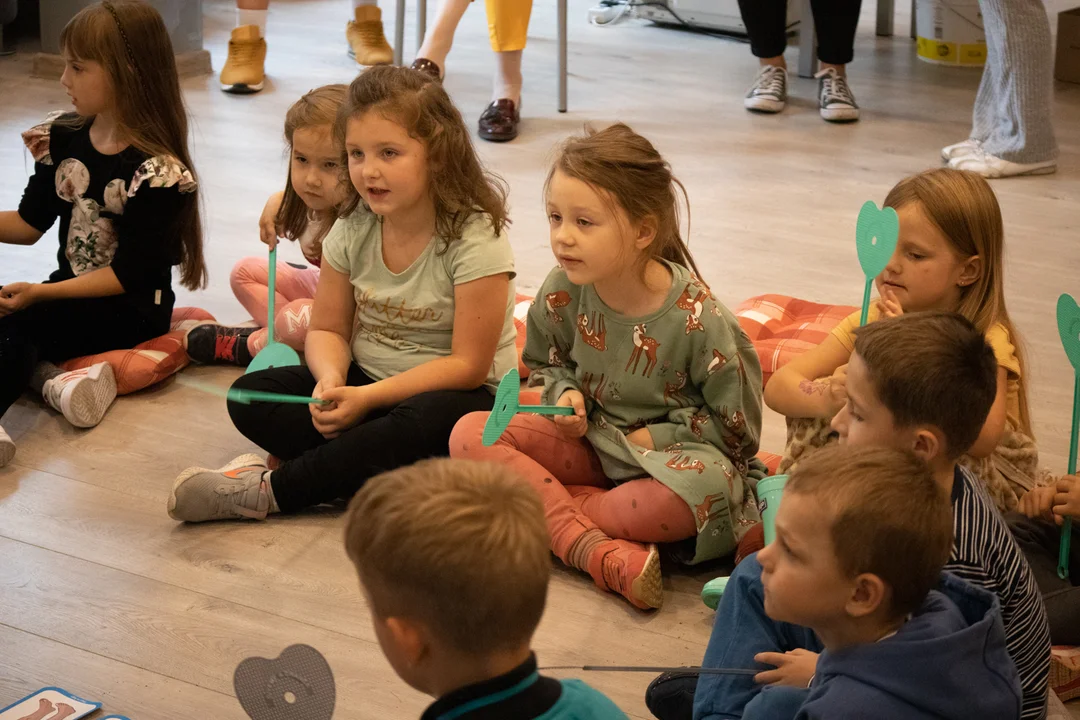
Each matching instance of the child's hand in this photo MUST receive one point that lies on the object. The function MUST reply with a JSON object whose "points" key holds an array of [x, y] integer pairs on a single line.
{"points": [[16, 296], [795, 668], [1067, 498], [572, 426], [837, 392], [1038, 502], [887, 304], [268, 230]]}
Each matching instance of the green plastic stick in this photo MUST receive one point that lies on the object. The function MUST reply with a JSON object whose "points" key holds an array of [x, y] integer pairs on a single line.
{"points": [[247, 397], [1068, 322], [1066, 527]]}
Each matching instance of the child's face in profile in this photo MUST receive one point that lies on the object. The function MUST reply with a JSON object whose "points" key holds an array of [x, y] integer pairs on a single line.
{"points": [[864, 421], [315, 168], [925, 273], [87, 84], [802, 579], [588, 234], [387, 167]]}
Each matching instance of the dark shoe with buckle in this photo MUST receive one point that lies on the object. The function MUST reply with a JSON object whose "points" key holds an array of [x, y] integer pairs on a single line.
{"points": [[428, 68], [499, 123]]}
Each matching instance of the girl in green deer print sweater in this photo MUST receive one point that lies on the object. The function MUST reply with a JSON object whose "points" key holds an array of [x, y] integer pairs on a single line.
{"points": [[665, 385]]}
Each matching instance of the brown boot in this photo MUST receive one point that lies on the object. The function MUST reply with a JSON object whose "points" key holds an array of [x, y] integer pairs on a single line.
{"points": [[243, 71], [367, 43]]}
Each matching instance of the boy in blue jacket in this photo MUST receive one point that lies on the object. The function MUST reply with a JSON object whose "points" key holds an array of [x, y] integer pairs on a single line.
{"points": [[861, 537]]}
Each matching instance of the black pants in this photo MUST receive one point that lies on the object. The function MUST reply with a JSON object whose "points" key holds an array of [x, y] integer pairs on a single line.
{"points": [[317, 470], [63, 329], [834, 20], [1040, 541]]}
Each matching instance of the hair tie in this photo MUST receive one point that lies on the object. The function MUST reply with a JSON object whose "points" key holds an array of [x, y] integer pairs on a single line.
{"points": [[120, 26]]}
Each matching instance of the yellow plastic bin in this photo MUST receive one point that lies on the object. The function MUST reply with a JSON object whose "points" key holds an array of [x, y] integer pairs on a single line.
{"points": [[950, 32]]}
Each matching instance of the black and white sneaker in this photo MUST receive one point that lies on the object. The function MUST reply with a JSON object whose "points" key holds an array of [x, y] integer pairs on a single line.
{"points": [[835, 97], [769, 91]]}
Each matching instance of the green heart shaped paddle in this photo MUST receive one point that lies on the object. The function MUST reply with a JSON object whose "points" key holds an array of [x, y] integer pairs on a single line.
{"points": [[876, 232], [1068, 322], [506, 407]]}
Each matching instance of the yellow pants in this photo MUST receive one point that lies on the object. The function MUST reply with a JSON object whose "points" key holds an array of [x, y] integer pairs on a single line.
{"points": [[508, 24]]}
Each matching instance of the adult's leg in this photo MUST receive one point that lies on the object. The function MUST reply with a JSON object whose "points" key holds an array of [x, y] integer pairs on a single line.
{"points": [[1039, 540], [835, 22], [416, 429], [508, 28], [766, 25], [741, 631], [440, 38], [1013, 107]]}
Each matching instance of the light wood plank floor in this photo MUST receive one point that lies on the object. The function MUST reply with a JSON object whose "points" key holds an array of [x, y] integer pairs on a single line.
{"points": [[102, 594]]}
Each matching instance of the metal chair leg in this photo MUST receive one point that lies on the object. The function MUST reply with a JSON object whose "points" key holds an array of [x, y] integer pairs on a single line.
{"points": [[421, 23], [399, 34], [885, 13], [807, 41], [563, 71]]}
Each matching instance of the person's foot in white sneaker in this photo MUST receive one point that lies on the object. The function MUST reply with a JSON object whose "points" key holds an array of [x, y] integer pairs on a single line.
{"points": [[769, 91], [989, 166], [960, 149], [7, 448], [83, 395], [238, 490], [835, 98]]}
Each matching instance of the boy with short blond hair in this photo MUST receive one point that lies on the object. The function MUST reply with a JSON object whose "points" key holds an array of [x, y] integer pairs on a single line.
{"points": [[453, 558]]}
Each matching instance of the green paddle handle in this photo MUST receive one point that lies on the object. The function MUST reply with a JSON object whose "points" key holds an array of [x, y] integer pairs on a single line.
{"points": [[1066, 528], [866, 302], [546, 409], [250, 396], [272, 288]]}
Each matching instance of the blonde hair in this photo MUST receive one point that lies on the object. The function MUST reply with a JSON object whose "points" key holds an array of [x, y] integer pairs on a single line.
{"points": [[317, 108], [633, 174], [460, 546], [888, 517], [963, 207], [129, 39], [461, 187]]}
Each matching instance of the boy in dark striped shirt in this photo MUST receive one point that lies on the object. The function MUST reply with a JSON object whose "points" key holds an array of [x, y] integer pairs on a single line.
{"points": [[923, 382]]}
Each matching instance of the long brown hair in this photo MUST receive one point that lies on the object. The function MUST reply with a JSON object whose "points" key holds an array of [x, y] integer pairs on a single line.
{"points": [[633, 174], [128, 38], [964, 208], [461, 186], [317, 108]]}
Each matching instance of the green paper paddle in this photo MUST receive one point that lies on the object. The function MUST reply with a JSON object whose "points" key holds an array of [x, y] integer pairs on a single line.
{"points": [[876, 232], [246, 397], [506, 407], [275, 354], [1068, 322]]}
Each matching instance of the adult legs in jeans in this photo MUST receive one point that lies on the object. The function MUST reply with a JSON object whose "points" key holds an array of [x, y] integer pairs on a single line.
{"points": [[317, 470], [1040, 540], [741, 631]]}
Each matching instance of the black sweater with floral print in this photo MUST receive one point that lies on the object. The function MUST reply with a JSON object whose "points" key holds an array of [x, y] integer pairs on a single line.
{"points": [[120, 211]]}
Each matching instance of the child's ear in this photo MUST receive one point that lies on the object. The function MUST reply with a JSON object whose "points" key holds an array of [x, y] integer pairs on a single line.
{"points": [[410, 639], [646, 233], [869, 592], [928, 444], [970, 272]]}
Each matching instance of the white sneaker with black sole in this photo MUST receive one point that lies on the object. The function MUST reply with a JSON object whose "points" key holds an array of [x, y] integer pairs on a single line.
{"points": [[769, 91], [835, 98], [82, 396], [7, 448], [960, 149]]}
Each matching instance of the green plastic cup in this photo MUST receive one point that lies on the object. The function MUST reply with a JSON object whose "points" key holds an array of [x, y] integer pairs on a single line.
{"points": [[769, 491]]}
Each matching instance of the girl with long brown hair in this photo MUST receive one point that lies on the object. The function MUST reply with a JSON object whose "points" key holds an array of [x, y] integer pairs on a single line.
{"points": [[665, 387], [316, 191], [117, 174], [413, 320]]}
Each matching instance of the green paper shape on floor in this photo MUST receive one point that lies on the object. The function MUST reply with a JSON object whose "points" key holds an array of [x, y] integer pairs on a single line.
{"points": [[876, 233], [506, 407], [1068, 322], [275, 354]]}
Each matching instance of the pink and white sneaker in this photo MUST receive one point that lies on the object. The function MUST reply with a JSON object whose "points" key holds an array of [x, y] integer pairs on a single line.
{"points": [[82, 396]]}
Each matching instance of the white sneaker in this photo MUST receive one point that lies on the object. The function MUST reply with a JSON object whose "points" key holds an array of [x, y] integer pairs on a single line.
{"points": [[769, 92], [835, 98], [988, 166], [7, 448], [960, 149], [83, 395]]}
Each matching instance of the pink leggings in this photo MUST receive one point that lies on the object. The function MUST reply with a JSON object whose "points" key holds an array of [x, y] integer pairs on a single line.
{"points": [[576, 494], [292, 302]]}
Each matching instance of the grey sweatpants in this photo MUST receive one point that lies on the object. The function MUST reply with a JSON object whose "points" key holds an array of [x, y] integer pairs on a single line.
{"points": [[1012, 117]]}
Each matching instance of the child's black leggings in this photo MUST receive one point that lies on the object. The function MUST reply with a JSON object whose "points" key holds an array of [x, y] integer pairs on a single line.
{"points": [[316, 470]]}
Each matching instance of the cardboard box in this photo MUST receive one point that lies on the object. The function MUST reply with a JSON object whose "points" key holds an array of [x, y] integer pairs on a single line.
{"points": [[1067, 65]]}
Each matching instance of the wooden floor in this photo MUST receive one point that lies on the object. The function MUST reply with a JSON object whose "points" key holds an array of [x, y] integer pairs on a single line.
{"points": [[102, 594]]}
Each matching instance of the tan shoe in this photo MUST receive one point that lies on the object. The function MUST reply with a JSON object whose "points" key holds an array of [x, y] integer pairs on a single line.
{"points": [[367, 43], [243, 72]]}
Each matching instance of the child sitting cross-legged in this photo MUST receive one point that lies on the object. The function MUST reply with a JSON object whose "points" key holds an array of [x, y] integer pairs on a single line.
{"points": [[861, 538], [921, 382], [455, 606]]}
